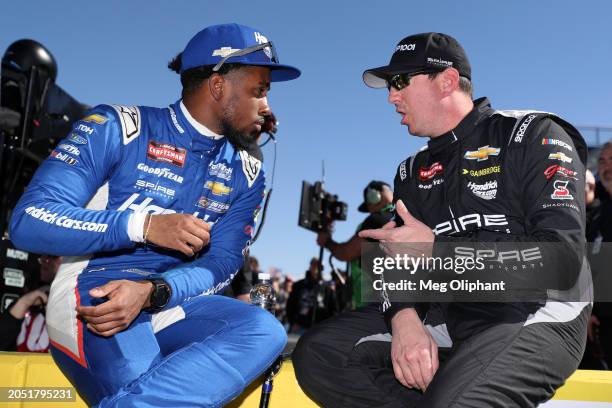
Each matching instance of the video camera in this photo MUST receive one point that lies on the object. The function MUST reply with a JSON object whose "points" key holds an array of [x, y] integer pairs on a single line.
{"points": [[318, 208], [35, 114]]}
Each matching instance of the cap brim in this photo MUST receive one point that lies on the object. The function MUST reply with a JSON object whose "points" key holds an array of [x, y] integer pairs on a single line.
{"points": [[377, 77], [280, 72], [363, 208]]}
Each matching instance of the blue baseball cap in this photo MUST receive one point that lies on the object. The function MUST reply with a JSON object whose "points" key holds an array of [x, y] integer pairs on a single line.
{"points": [[236, 44]]}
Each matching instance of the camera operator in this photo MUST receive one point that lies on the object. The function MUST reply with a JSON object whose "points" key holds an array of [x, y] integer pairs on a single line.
{"points": [[378, 202]]}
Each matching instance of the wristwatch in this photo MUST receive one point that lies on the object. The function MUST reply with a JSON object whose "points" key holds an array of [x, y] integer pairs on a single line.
{"points": [[160, 295]]}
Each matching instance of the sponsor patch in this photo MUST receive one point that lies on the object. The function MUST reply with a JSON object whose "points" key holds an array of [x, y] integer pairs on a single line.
{"points": [[482, 172], [160, 172], [64, 157], [220, 170], [16, 254], [224, 51], [568, 205], [217, 188], [175, 121], [72, 149], [63, 221], [402, 171], [250, 166], [486, 191], [482, 153], [167, 153], [13, 277], [77, 139], [427, 173], [557, 142], [556, 170], [523, 128], [154, 188], [129, 116], [248, 230], [561, 191], [95, 118], [85, 128], [436, 182], [470, 221], [560, 156], [217, 206]]}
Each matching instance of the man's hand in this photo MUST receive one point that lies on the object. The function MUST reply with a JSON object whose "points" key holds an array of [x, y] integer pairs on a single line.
{"points": [[24, 303], [126, 299], [414, 352], [182, 232], [413, 231]]}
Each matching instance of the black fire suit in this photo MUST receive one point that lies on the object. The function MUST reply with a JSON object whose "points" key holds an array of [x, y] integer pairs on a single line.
{"points": [[499, 176]]}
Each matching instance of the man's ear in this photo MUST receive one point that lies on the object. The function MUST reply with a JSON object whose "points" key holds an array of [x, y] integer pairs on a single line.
{"points": [[449, 81], [216, 83]]}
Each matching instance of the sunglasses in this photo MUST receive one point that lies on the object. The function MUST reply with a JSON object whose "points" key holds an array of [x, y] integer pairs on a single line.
{"points": [[270, 53], [401, 81]]}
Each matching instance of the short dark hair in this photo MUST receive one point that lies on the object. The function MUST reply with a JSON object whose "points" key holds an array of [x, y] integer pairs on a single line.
{"points": [[193, 78], [465, 85]]}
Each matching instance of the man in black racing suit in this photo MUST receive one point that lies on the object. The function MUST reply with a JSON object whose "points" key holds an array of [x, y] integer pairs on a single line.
{"points": [[485, 177]]}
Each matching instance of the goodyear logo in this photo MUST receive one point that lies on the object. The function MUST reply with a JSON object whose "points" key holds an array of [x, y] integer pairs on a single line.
{"points": [[217, 188], [482, 153], [95, 118]]}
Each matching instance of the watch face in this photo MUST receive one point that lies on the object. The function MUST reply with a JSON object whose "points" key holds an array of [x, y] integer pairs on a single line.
{"points": [[160, 295]]}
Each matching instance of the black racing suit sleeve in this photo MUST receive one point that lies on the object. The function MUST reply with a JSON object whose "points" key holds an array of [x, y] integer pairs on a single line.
{"points": [[549, 183], [400, 191]]}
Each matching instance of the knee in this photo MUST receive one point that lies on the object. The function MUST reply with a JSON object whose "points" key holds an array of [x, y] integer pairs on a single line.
{"points": [[270, 330], [305, 357]]}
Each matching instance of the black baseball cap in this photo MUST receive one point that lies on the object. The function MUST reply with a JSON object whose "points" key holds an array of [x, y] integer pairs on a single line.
{"points": [[373, 185], [421, 53]]}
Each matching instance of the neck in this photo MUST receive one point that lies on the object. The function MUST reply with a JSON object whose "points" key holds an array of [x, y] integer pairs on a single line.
{"points": [[203, 112], [455, 108]]}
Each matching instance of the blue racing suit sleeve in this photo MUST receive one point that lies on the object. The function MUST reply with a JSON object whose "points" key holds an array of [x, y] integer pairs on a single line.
{"points": [[229, 237], [50, 217]]}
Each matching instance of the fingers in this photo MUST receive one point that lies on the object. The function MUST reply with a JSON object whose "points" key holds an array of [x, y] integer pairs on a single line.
{"points": [[104, 290], [403, 212], [389, 225], [378, 234], [103, 333]]}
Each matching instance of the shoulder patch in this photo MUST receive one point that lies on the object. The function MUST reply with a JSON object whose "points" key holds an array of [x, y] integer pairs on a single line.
{"points": [[129, 116], [402, 171], [250, 166]]}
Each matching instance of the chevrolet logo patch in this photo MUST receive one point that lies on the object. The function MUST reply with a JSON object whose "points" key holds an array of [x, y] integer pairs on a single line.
{"points": [[95, 118], [482, 153], [217, 188]]}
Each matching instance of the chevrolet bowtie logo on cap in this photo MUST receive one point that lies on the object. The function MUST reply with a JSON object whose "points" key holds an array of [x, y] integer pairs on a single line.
{"points": [[482, 153]]}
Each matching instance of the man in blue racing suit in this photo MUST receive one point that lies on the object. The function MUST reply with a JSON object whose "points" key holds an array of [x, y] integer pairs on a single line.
{"points": [[173, 194]]}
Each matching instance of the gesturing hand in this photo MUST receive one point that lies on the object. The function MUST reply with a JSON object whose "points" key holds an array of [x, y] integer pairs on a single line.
{"points": [[126, 299], [182, 232]]}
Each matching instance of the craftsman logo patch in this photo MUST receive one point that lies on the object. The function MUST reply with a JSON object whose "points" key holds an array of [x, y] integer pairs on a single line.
{"points": [[166, 153], [427, 173]]}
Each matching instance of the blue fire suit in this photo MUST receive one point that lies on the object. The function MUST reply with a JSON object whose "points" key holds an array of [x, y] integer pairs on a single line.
{"points": [[198, 351]]}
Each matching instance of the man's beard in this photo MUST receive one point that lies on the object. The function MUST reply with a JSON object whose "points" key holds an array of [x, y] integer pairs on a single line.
{"points": [[238, 138]]}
